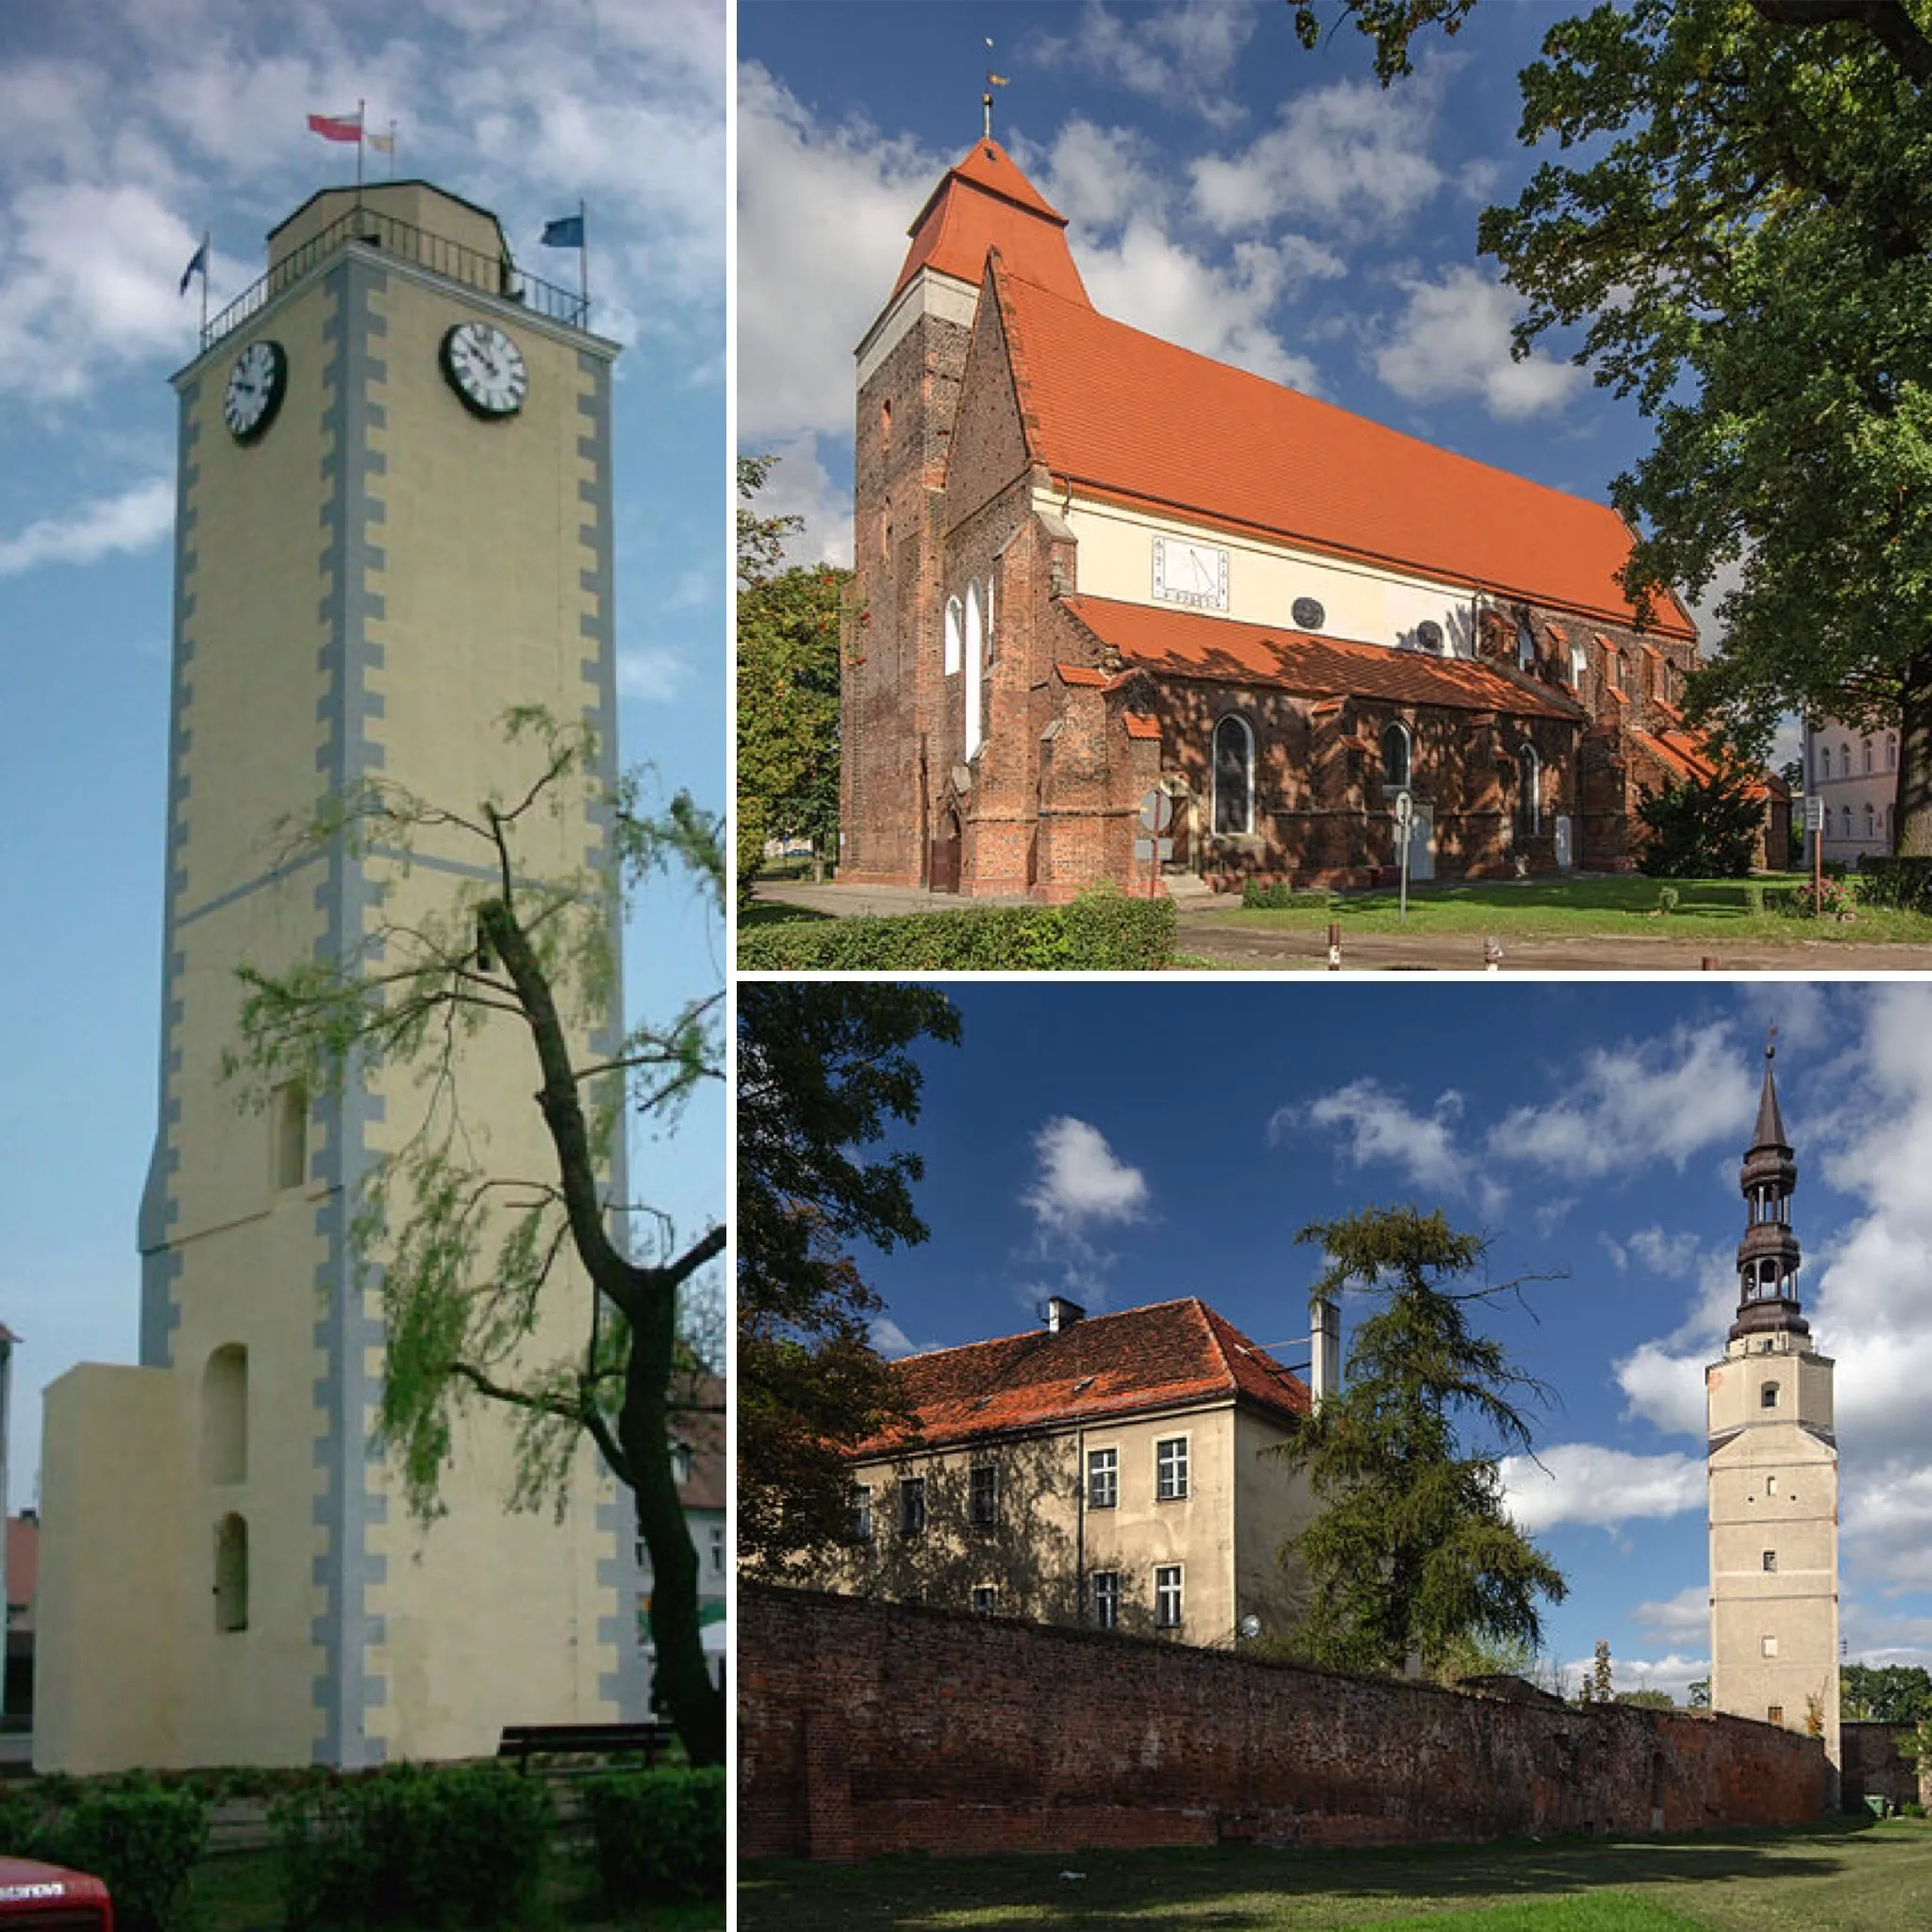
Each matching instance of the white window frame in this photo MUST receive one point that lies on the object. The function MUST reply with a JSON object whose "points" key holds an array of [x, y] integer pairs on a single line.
{"points": [[1247, 730], [1169, 1598], [1105, 1599], [1170, 1471], [1110, 1469]]}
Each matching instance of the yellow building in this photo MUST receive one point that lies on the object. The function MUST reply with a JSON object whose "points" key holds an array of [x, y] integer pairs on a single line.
{"points": [[1107, 1471], [1773, 1474], [394, 521]]}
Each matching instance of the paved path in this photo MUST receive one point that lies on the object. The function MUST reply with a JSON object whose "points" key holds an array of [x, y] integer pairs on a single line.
{"points": [[1207, 933]]}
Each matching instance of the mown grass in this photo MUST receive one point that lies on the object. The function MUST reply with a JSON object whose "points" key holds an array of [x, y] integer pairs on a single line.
{"points": [[1838, 1877], [1620, 906]]}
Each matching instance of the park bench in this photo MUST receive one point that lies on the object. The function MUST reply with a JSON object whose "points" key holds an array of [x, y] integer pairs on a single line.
{"points": [[526, 1742]]}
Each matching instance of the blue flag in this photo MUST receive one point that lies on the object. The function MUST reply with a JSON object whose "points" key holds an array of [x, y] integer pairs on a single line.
{"points": [[197, 267], [567, 231]]}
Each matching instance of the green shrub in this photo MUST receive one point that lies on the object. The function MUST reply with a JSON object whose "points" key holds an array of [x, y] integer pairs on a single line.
{"points": [[413, 1846], [1275, 898], [1701, 829], [141, 1839], [1100, 931], [659, 1834], [1902, 884]]}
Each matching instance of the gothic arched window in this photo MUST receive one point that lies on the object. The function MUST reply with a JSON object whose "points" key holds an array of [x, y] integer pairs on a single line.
{"points": [[1234, 777], [956, 619], [975, 661], [1529, 802], [1397, 754]]}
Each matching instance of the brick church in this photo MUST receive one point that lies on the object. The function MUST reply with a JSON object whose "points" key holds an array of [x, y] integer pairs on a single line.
{"points": [[1100, 576]]}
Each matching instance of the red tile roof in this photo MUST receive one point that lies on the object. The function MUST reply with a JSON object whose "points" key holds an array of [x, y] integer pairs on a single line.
{"points": [[1105, 1365], [1140, 726], [1124, 414], [1080, 673], [987, 203], [1181, 643]]}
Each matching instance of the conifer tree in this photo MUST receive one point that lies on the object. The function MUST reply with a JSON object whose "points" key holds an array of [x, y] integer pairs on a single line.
{"points": [[1410, 1552]]}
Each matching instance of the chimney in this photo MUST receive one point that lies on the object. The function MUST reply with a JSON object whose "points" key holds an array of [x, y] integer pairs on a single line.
{"points": [[1062, 1313], [1324, 1351]]}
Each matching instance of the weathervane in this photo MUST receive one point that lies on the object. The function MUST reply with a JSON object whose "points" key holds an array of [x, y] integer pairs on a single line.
{"points": [[1770, 1041], [992, 80]]}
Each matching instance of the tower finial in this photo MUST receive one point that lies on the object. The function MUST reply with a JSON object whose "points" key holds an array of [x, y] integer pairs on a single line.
{"points": [[992, 80], [1770, 1041]]}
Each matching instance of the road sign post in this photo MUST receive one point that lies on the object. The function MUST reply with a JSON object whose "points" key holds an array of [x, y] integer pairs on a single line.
{"points": [[1405, 817]]}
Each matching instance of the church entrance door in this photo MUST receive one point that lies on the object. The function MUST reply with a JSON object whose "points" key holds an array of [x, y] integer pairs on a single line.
{"points": [[942, 864]]}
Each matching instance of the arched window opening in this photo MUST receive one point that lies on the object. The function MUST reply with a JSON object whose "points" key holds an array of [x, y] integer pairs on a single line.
{"points": [[224, 1415], [1580, 665], [1865, 753], [955, 621], [1233, 777], [1871, 820], [231, 1573], [1525, 646], [976, 659], [1529, 802], [990, 640], [1825, 761], [1845, 820], [886, 534], [1845, 760], [1397, 755], [1892, 754], [885, 424]]}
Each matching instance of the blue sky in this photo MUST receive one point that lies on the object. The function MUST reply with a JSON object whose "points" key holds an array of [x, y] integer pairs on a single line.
{"points": [[1127, 1143], [133, 126], [1269, 207]]}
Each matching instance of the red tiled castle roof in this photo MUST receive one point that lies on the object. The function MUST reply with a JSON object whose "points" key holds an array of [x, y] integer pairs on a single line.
{"points": [[1142, 1359], [1181, 643]]}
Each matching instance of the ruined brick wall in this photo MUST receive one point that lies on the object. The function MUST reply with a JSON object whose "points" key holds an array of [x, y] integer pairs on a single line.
{"points": [[867, 1727], [1871, 1765]]}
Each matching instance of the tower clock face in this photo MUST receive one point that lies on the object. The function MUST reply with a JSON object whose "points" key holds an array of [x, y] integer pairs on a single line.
{"points": [[485, 368], [256, 386]]}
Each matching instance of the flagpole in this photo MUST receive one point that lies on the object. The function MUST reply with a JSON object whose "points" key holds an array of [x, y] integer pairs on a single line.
{"points": [[206, 236], [361, 116], [583, 267]]}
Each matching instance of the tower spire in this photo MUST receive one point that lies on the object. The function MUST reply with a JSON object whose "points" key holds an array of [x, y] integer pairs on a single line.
{"points": [[1768, 1256]]}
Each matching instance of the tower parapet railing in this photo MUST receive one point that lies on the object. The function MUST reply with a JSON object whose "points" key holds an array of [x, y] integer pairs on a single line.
{"points": [[495, 274]]}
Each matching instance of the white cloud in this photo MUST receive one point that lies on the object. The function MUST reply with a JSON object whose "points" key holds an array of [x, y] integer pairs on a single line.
{"points": [[1370, 1125], [799, 485], [1352, 155], [1081, 1182], [1582, 1482], [1178, 56], [1672, 1672], [1673, 1255], [1452, 339], [132, 521], [654, 672], [821, 219], [1634, 1102], [1681, 1619]]}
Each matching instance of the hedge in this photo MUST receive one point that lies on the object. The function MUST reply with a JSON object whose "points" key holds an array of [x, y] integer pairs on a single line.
{"points": [[659, 1834], [1100, 931], [415, 1846], [1904, 884], [141, 1839]]}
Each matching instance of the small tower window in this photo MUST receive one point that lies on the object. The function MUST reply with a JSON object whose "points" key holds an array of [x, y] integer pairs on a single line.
{"points": [[1773, 1713], [1770, 1561], [224, 1415], [885, 424], [1768, 1646], [231, 1573], [289, 1126], [1767, 1396], [1771, 1485]]}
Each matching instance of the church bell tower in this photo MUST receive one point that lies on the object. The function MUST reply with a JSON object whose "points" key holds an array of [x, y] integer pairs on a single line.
{"points": [[1773, 1461], [393, 524]]}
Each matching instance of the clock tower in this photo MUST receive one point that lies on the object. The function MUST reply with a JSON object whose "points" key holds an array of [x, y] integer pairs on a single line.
{"points": [[1773, 1461], [393, 524]]}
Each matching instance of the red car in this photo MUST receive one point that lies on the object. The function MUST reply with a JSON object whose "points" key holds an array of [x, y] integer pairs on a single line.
{"points": [[46, 1899]]}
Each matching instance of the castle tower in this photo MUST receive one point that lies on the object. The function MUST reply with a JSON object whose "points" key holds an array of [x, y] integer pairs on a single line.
{"points": [[393, 523], [907, 679], [1773, 1472]]}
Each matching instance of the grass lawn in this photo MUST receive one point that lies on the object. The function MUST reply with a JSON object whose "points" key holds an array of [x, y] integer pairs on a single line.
{"points": [[1834, 1877], [237, 1892], [1575, 907]]}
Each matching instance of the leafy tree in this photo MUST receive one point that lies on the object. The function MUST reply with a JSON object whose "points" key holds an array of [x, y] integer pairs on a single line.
{"points": [[1698, 1697], [1746, 244], [823, 1069], [1410, 1551], [787, 686], [1886, 1694], [1705, 828], [475, 1302], [1648, 1700]]}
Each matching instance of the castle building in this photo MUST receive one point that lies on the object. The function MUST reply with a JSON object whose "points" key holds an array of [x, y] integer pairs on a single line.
{"points": [[1101, 579], [1772, 1459], [1854, 775], [1106, 1472], [393, 523]]}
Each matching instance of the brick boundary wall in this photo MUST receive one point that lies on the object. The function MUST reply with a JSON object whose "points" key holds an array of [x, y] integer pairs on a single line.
{"points": [[866, 1728], [1874, 1767]]}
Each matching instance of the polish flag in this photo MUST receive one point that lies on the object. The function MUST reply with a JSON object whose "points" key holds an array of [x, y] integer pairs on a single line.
{"points": [[336, 127]]}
